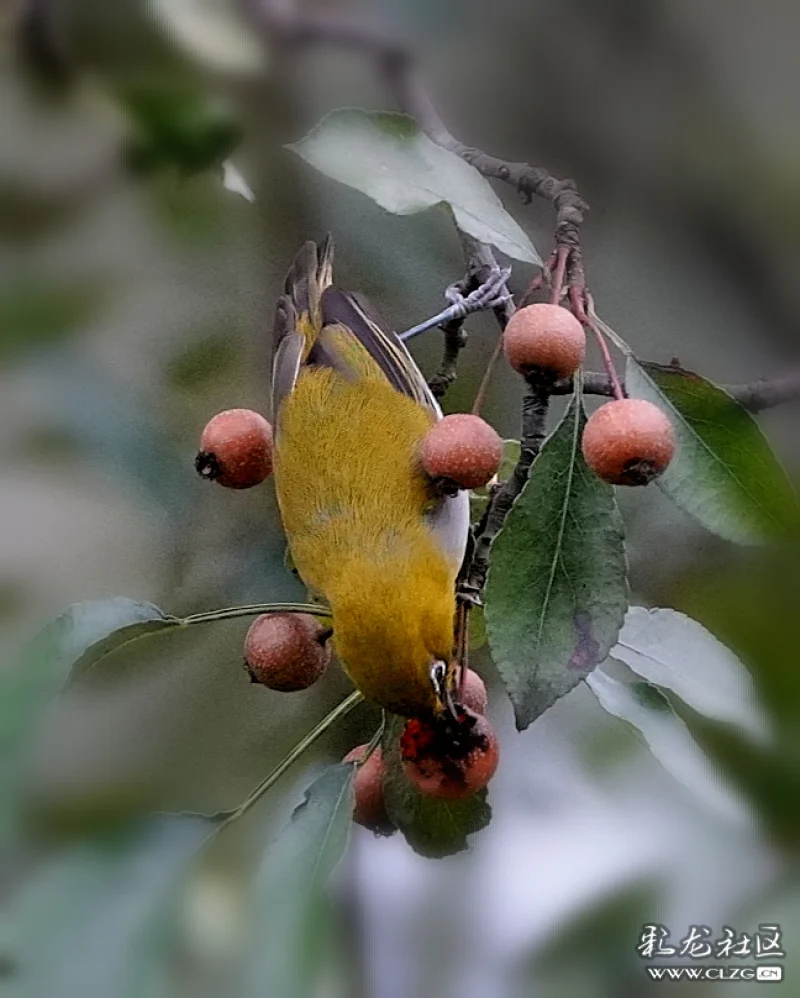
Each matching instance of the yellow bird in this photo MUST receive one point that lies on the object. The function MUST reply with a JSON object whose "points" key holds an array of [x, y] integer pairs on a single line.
{"points": [[365, 528]]}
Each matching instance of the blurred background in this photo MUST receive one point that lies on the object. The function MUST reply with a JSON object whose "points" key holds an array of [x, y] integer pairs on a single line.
{"points": [[135, 302]]}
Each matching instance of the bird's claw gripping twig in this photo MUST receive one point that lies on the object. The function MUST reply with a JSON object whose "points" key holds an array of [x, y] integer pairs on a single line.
{"points": [[493, 293]]}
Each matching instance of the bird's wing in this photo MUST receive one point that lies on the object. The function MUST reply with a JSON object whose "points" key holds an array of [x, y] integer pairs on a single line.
{"points": [[352, 311], [449, 518], [320, 325]]}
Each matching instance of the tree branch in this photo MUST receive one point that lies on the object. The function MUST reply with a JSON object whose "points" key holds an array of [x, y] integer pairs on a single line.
{"points": [[282, 22], [755, 396], [396, 65], [534, 423]]}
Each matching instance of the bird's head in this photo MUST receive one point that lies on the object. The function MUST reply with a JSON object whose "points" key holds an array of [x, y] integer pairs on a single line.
{"points": [[393, 630]]}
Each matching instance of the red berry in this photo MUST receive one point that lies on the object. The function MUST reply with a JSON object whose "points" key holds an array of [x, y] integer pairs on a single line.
{"points": [[628, 442], [370, 809], [449, 759], [286, 651], [462, 450], [546, 340], [236, 449], [473, 693]]}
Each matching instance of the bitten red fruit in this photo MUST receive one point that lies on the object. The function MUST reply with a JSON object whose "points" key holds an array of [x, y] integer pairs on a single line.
{"points": [[286, 651], [370, 809], [450, 759], [628, 442], [463, 450], [473, 695], [546, 340], [236, 449]]}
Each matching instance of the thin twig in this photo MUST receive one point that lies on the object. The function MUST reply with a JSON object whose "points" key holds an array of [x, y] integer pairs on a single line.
{"points": [[608, 363], [304, 27], [562, 253], [755, 396], [455, 339], [330, 719], [289, 26], [393, 60], [252, 610], [534, 419], [483, 388]]}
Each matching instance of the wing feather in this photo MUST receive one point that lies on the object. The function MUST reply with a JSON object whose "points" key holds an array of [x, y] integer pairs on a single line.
{"points": [[343, 308]]}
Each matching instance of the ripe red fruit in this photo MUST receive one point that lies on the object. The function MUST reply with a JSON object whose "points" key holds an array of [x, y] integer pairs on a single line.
{"points": [[473, 693], [462, 451], [236, 449], [370, 809], [628, 442], [286, 651], [544, 340], [449, 759]]}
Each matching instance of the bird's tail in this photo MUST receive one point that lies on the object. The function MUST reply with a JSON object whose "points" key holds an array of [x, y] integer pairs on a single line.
{"points": [[310, 273], [298, 315]]}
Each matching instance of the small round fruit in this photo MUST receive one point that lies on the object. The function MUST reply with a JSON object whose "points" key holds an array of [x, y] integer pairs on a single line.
{"points": [[473, 694], [462, 450], [236, 449], [370, 809], [544, 340], [628, 442], [449, 759], [286, 651]]}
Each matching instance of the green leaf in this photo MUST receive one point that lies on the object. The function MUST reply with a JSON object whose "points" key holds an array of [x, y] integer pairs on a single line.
{"points": [[647, 710], [724, 473], [432, 827], [390, 159], [96, 920], [557, 588], [290, 904], [79, 637], [477, 628], [673, 651]]}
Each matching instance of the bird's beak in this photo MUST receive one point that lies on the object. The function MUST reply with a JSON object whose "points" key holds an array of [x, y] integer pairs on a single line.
{"points": [[441, 688]]}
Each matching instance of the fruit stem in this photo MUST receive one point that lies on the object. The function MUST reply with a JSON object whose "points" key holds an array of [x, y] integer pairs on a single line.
{"points": [[562, 254], [252, 609], [330, 719], [608, 363], [462, 645], [483, 388], [589, 319], [375, 741], [533, 287]]}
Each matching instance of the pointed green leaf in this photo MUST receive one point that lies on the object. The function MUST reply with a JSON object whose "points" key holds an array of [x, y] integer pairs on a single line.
{"points": [[647, 709], [81, 635], [95, 921], [673, 651], [557, 588], [432, 827], [390, 159], [77, 640], [724, 473], [290, 903]]}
